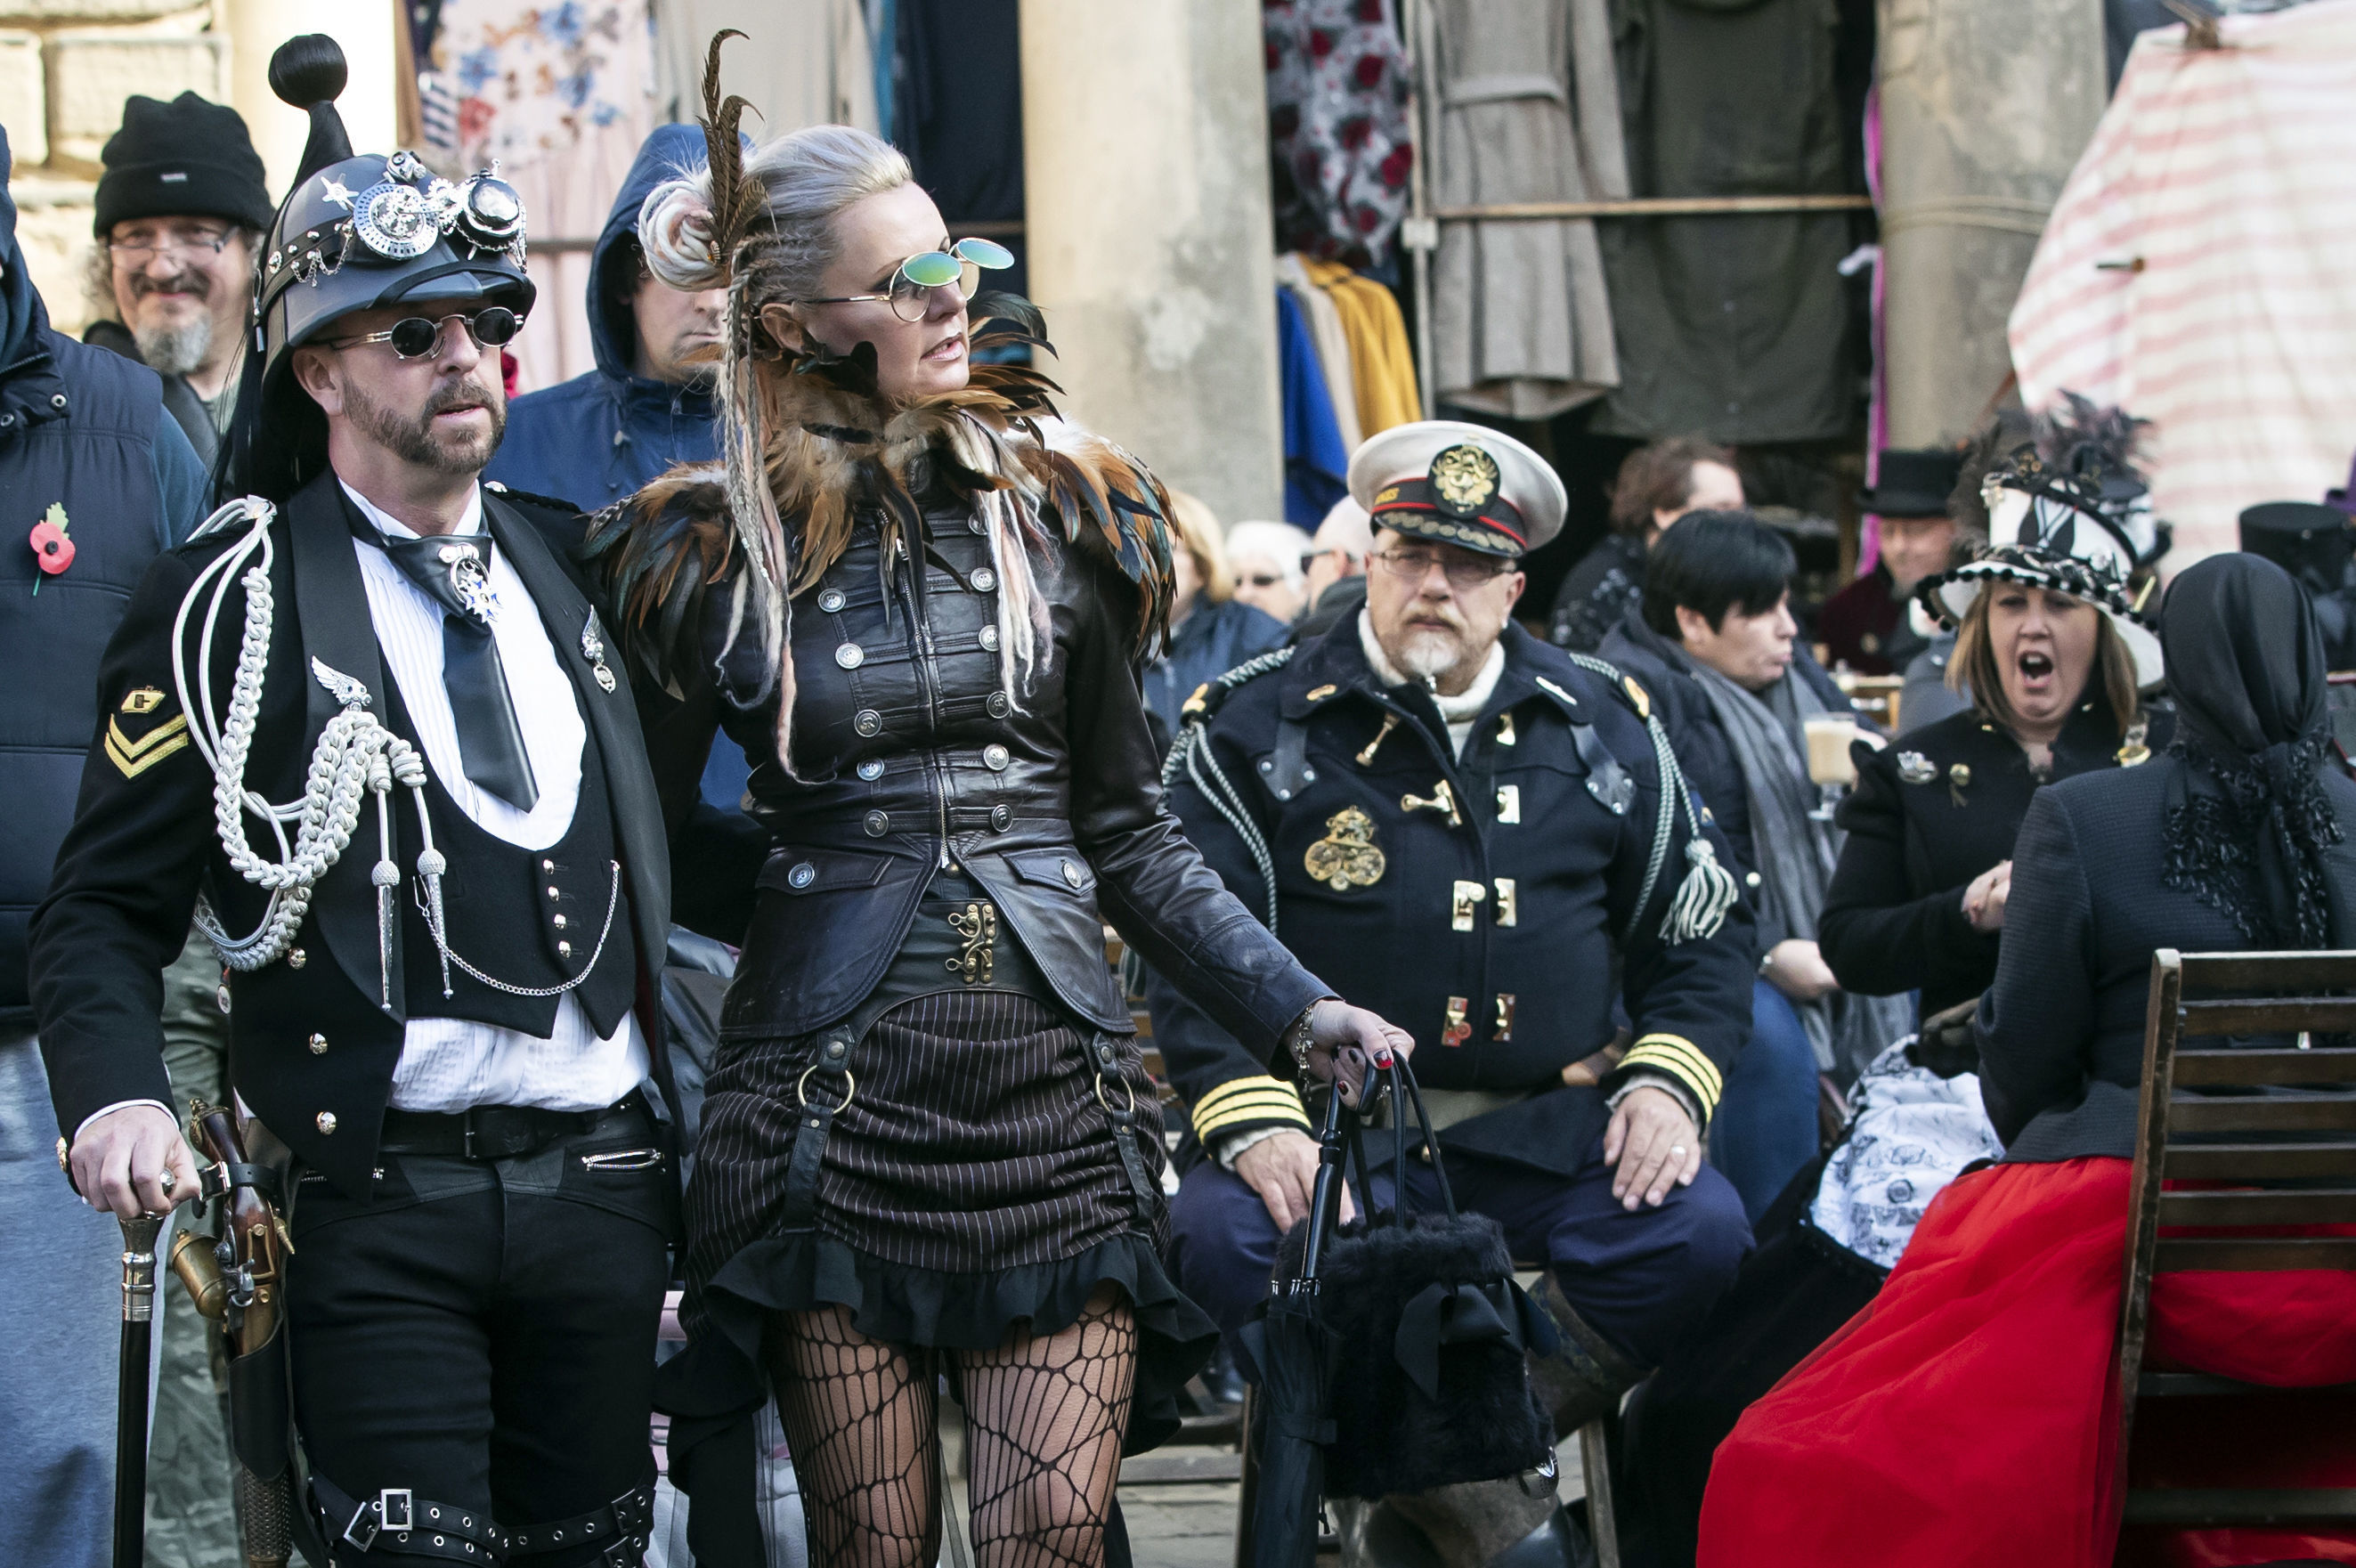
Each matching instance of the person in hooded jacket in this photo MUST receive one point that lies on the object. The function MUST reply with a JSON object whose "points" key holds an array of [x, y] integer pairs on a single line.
{"points": [[100, 480], [646, 408]]}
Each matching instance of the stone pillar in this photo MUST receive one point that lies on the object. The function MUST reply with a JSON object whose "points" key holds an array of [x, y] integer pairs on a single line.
{"points": [[256, 28], [1151, 244], [1985, 105]]}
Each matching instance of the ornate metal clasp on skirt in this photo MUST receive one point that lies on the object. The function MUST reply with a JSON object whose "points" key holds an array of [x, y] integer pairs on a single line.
{"points": [[979, 926]]}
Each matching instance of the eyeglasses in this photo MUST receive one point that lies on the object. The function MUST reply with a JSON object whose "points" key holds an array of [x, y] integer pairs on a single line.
{"points": [[910, 286], [1465, 573], [491, 327], [137, 250]]}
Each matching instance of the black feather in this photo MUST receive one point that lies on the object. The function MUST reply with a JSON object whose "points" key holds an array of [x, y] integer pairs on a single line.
{"points": [[308, 71]]}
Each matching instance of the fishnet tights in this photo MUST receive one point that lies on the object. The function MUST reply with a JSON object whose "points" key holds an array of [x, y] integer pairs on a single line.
{"points": [[1043, 1422]]}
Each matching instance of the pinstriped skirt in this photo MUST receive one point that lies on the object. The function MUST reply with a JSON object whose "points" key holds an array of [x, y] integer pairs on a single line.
{"points": [[972, 1185]]}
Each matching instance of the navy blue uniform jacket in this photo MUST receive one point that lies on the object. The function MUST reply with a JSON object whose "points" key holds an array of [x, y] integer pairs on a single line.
{"points": [[1496, 939]]}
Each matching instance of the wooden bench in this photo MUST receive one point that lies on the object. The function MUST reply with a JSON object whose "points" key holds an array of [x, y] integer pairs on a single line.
{"points": [[2287, 1158]]}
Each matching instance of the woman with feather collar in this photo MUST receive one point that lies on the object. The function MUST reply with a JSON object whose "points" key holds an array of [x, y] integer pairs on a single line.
{"points": [[917, 601]]}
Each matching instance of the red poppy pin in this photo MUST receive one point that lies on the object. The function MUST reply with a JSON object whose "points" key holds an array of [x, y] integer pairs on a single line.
{"points": [[53, 551]]}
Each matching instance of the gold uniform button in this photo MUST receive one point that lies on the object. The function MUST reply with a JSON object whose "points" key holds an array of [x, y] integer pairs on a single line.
{"points": [[319, 1045], [327, 1120]]}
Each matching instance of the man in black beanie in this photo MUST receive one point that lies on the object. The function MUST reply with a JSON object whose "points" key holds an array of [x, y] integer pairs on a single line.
{"points": [[182, 209]]}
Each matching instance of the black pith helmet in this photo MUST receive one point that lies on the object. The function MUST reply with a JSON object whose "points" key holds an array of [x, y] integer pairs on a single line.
{"points": [[357, 232]]}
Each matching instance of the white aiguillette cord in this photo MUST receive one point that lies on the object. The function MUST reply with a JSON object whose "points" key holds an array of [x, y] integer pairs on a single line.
{"points": [[355, 753]]}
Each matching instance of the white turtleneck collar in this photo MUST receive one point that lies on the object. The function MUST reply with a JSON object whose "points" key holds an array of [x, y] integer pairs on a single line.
{"points": [[1459, 712]]}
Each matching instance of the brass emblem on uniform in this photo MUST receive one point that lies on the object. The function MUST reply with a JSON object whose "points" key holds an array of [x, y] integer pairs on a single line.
{"points": [[1916, 768], [1366, 758], [1504, 1032], [1319, 693], [1460, 1023], [145, 700], [979, 926], [1468, 898], [1959, 778], [1505, 736], [1463, 480], [1441, 800], [1509, 803], [1508, 913], [1638, 695], [1346, 856], [2134, 752]]}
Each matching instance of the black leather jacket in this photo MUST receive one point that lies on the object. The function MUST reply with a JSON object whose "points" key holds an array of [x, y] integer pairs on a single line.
{"points": [[912, 756]]}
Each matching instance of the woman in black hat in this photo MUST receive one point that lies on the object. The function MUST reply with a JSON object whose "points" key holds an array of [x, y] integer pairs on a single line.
{"points": [[1980, 1371]]}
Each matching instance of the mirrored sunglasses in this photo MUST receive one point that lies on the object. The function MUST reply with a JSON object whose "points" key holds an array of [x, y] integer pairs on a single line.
{"points": [[912, 283], [492, 326]]}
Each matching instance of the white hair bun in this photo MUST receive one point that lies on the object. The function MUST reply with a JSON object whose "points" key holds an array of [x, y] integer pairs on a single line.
{"points": [[675, 233]]}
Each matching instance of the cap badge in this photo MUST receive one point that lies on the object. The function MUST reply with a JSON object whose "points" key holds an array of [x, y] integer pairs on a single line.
{"points": [[1463, 480], [336, 192], [1346, 856], [1916, 768]]}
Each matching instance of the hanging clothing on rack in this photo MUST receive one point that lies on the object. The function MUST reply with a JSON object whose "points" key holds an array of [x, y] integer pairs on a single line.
{"points": [[1524, 107], [1322, 317], [1738, 327], [1337, 95], [810, 62], [1316, 463], [1382, 366]]}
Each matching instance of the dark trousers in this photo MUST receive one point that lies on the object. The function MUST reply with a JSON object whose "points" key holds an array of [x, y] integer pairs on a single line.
{"points": [[484, 1334], [1765, 1128], [1640, 1280]]}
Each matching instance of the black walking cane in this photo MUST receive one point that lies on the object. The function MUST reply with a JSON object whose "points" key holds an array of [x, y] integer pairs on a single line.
{"points": [[130, 1435]]}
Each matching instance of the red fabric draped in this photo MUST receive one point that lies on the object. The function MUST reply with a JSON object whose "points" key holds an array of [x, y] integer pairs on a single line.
{"points": [[1967, 1418]]}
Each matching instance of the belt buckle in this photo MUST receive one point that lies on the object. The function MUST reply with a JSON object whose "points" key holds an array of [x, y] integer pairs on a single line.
{"points": [[492, 1133], [385, 1502]]}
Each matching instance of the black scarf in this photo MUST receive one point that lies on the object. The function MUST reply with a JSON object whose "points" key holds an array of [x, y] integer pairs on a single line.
{"points": [[2247, 818]]}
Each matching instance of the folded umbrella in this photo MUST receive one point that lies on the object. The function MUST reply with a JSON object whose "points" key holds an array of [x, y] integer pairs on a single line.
{"points": [[1294, 1357]]}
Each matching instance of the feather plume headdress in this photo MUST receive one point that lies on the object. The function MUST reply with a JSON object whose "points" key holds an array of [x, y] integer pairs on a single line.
{"points": [[807, 439]]}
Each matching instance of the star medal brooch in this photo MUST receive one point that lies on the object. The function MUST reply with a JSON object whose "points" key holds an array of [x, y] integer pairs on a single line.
{"points": [[470, 582]]}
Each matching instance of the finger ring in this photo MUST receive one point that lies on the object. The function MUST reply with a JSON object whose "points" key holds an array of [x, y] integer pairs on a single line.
{"points": [[1676, 1149], [169, 1180]]}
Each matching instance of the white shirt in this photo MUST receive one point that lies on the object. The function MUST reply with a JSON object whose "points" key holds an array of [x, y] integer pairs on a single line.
{"points": [[452, 1064]]}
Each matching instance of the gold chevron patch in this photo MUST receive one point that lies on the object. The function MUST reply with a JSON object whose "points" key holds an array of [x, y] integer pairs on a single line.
{"points": [[137, 757]]}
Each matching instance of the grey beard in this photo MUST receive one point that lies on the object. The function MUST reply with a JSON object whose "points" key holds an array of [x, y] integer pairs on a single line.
{"points": [[1428, 655], [176, 351]]}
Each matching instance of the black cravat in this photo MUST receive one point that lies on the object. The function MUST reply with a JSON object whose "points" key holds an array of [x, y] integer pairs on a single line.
{"points": [[455, 570]]}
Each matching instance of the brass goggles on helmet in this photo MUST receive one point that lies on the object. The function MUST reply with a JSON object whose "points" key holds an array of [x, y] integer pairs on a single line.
{"points": [[911, 285]]}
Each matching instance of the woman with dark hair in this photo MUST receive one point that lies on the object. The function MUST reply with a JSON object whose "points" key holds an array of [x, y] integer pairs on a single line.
{"points": [[1968, 1415], [1657, 484], [928, 1146], [1715, 644]]}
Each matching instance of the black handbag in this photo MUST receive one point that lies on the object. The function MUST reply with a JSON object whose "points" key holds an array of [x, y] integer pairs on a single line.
{"points": [[1433, 1388]]}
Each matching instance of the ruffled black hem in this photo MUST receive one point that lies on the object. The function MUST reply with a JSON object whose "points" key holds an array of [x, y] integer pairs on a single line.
{"points": [[936, 1310]]}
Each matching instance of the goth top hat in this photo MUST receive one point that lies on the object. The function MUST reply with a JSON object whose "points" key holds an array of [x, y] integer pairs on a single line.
{"points": [[2313, 543], [1912, 483], [1459, 484], [2049, 529]]}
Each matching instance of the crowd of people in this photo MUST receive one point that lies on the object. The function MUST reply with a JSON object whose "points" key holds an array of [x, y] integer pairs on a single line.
{"points": [[379, 781]]}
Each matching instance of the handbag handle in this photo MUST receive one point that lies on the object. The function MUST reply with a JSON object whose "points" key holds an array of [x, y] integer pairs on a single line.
{"points": [[1325, 1197], [1404, 1089]]}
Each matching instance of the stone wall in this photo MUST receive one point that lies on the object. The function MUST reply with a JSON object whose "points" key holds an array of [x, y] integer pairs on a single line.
{"points": [[66, 66]]}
